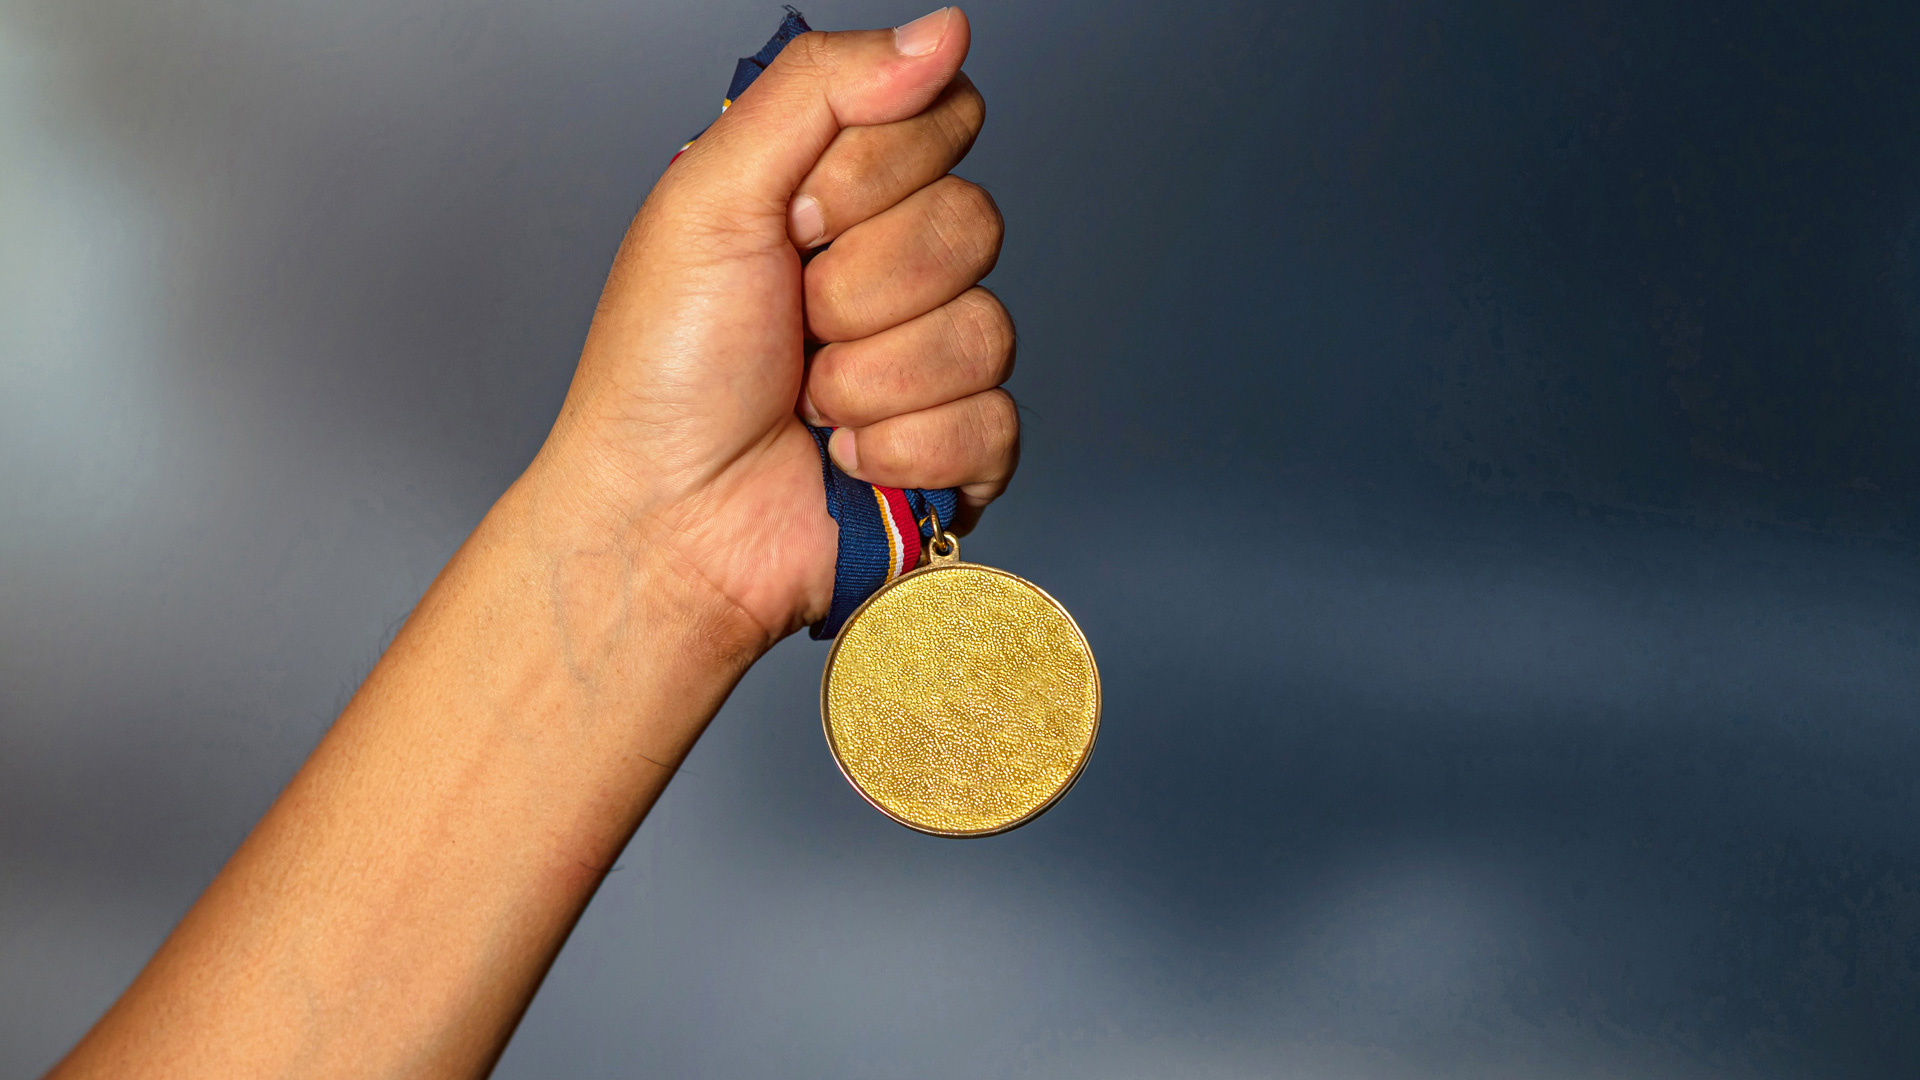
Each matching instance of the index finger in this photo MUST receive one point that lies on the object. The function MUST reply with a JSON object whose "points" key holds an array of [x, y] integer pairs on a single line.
{"points": [[868, 169]]}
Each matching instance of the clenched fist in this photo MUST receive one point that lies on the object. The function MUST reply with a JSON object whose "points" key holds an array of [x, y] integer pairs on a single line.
{"points": [[717, 334]]}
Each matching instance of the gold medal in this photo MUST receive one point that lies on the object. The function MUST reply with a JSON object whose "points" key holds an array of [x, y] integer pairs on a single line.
{"points": [[960, 700]]}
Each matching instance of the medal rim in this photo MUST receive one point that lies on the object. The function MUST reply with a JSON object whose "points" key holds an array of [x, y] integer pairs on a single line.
{"points": [[1093, 736]]}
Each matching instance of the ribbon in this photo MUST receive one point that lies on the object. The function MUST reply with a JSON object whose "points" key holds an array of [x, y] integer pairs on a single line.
{"points": [[883, 530]]}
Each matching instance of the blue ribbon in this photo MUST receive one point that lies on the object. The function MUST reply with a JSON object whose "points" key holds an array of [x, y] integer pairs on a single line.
{"points": [[863, 563]]}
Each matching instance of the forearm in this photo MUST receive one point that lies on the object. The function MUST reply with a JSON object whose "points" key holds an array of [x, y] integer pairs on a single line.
{"points": [[396, 909]]}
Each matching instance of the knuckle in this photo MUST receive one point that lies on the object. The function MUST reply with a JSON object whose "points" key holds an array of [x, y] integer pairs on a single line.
{"points": [[985, 334], [964, 114], [970, 102], [996, 423], [969, 202], [969, 222]]}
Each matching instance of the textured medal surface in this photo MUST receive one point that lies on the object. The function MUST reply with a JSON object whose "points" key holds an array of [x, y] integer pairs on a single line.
{"points": [[961, 700]]}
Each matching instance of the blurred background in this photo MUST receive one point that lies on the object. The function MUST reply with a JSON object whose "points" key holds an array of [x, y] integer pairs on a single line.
{"points": [[1481, 440]]}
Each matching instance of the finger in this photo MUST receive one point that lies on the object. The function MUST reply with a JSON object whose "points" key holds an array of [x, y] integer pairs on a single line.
{"points": [[972, 444], [954, 351], [745, 168], [868, 169], [904, 262]]}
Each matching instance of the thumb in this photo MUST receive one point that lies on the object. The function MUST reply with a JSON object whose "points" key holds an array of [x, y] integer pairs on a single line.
{"points": [[753, 158]]}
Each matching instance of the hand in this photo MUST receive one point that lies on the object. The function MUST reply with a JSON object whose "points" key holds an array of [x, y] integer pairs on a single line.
{"points": [[683, 425]]}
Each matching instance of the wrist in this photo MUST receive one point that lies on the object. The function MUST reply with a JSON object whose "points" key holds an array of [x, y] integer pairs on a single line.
{"points": [[604, 553], [749, 537]]}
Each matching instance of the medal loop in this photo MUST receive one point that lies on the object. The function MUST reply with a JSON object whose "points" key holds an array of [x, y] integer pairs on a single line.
{"points": [[943, 548]]}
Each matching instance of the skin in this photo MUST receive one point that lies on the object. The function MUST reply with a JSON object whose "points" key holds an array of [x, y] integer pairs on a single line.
{"points": [[396, 909]]}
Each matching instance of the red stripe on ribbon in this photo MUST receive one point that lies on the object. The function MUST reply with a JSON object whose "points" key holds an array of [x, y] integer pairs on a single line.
{"points": [[905, 525]]}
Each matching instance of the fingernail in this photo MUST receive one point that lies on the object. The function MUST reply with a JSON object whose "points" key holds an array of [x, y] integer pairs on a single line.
{"points": [[807, 412], [922, 35], [840, 447], [806, 222]]}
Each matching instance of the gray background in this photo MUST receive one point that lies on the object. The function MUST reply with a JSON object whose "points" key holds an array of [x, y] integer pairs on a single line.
{"points": [[1482, 441]]}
